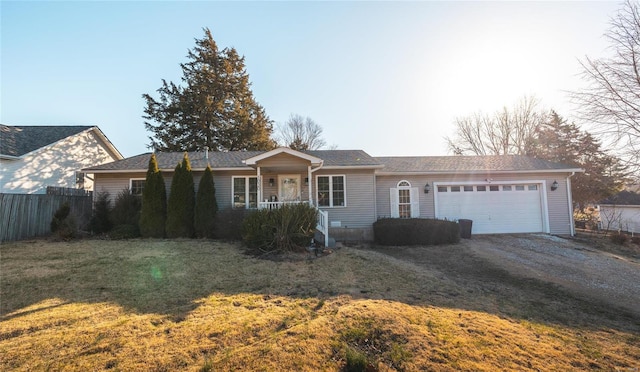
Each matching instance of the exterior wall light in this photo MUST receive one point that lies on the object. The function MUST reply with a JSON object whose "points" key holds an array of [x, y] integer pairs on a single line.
{"points": [[554, 186], [427, 188]]}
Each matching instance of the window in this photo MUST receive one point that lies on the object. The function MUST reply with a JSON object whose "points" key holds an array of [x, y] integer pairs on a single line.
{"points": [[331, 191], [136, 186], [404, 201], [494, 188], [442, 188], [506, 188], [532, 187], [519, 187], [468, 188], [245, 192], [481, 188], [455, 188]]}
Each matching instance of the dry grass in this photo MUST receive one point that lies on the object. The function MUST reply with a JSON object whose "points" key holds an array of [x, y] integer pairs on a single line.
{"points": [[204, 306]]}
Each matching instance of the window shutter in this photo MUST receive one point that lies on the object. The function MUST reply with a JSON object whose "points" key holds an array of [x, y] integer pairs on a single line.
{"points": [[393, 198], [415, 202]]}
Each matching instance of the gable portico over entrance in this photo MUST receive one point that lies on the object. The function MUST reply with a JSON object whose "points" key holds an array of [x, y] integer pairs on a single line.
{"points": [[282, 174]]}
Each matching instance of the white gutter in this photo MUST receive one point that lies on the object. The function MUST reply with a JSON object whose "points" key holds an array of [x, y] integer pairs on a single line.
{"points": [[569, 201], [475, 172], [310, 175]]}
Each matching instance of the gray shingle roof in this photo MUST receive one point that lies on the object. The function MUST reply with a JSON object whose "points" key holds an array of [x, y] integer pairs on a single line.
{"points": [[346, 158], [20, 140], [231, 159], [426, 164]]}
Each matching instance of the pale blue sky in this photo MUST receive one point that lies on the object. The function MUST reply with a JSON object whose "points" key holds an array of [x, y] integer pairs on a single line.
{"points": [[385, 77]]}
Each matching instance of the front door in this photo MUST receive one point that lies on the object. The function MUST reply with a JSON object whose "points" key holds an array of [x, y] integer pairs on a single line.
{"points": [[289, 187]]}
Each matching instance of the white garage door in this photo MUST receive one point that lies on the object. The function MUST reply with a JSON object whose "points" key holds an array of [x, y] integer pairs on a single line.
{"points": [[495, 208]]}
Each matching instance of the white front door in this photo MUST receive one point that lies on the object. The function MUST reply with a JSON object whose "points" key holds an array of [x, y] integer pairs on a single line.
{"points": [[289, 187]]}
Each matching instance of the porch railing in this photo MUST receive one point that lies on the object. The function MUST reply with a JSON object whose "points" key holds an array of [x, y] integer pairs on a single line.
{"points": [[322, 225], [322, 217], [277, 205]]}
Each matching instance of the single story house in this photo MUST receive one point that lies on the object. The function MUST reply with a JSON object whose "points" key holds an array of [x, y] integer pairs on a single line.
{"points": [[500, 194], [34, 157]]}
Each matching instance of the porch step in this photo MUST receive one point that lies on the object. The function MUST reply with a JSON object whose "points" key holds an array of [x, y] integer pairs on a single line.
{"points": [[319, 238]]}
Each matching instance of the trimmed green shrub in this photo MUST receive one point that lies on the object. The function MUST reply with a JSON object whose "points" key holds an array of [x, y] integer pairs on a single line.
{"points": [[61, 213], [289, 228], [181, 204], [126, 208], [229, 223], [101, 221], [63, 224], [415, 231], [154, 203], [206, 206]]}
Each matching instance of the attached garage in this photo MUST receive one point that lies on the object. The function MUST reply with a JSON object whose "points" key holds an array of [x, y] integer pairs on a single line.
{"points": [[494, 208]]}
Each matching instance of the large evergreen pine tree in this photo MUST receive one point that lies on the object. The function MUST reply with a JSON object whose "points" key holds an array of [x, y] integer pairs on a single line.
{"points": [[559, 141], [206, 206], [180, 208], [214, 109], [154, 202]]}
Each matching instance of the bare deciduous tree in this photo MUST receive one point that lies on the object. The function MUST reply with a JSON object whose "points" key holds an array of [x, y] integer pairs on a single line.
{"points": [[611, 99], [506, 132], [300, 133]]}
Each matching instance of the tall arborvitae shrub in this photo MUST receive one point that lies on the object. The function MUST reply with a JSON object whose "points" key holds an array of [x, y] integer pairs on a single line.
{"points": [[101, 220], [154, 203], [181, 205], [206, 206]]}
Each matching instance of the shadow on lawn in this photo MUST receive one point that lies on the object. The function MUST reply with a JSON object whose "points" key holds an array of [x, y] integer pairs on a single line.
{"points": [[168, 278]]}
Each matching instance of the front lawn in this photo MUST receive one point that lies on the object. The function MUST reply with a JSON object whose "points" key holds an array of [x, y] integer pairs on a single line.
{"points": [[204, 305]]}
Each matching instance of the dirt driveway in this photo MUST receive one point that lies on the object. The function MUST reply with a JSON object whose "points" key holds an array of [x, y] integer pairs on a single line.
{"points": [[585, 271]]}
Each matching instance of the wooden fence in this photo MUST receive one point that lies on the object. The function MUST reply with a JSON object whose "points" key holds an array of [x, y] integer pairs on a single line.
{"points": [[24, 216]]}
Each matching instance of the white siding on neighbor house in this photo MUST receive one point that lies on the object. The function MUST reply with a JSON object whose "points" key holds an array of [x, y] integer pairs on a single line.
{"points": [[620, 217], [559, 212], [54, 165]]}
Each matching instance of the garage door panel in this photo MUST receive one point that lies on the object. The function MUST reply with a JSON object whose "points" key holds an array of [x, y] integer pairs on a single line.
{"points": [[494, 211]]}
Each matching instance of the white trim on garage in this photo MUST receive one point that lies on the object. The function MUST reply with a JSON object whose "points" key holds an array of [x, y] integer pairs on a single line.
{"points": [[542, 193]]}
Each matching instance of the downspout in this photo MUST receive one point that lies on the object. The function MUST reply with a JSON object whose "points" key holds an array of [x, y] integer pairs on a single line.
{"points": [[570, 202], [310, 174]]}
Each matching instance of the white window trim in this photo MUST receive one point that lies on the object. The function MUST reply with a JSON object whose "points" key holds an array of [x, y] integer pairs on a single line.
{"points": [[131, 183], [246, 191], [414, 199], [344, 182]]}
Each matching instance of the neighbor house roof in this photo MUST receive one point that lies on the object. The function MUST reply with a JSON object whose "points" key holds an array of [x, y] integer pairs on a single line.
{"points": [[624, 197], [230, 160], [469, 164], [16, 141]]}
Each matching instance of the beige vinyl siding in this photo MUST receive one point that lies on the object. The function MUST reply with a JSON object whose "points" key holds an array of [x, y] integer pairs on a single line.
{"points": [[283, 161], [384, 183], [114, 183], [360, 210], [557, 201], [559, 212]]}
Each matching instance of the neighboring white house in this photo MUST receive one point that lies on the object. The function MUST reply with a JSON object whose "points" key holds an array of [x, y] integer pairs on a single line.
{"points": [[34, 157], [620, 217]]}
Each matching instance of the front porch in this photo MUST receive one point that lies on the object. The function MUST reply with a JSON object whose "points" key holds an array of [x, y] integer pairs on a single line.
{"points": [[285, 177]]}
